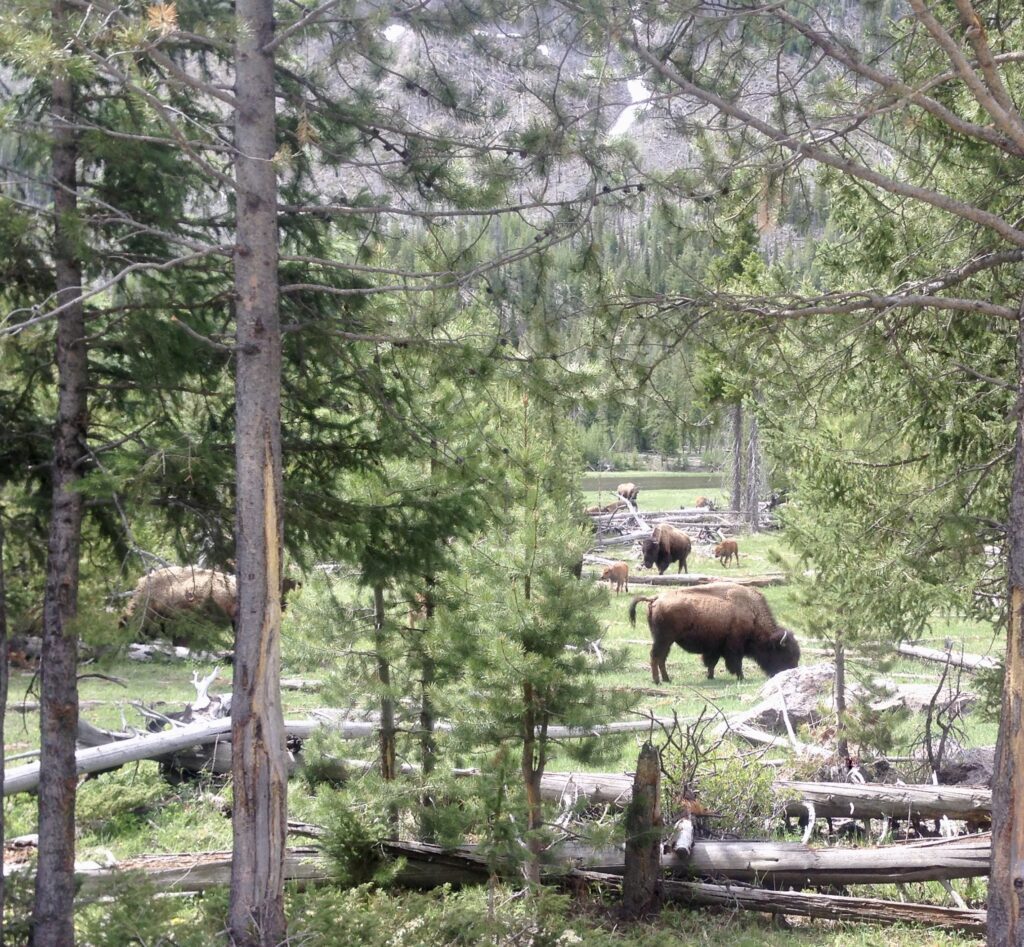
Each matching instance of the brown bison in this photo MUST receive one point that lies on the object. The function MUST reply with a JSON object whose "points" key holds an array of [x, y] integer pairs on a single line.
{"points": [[717, 620], [705, 503], [617, 574], [607, 508], [666, 545], [725, 550], [167, 594], [628, 491]]}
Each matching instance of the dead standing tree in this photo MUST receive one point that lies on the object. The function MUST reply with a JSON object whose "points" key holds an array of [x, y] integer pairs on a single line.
{"points": [[259, 770]]}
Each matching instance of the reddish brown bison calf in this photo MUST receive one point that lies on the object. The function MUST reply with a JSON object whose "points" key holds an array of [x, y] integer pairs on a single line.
{"points": [[725, 551], [617, 574], [718, 620], [666, 545]]}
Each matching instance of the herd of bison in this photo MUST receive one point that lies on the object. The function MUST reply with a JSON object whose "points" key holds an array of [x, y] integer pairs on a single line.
{"points": [[720, 621]]}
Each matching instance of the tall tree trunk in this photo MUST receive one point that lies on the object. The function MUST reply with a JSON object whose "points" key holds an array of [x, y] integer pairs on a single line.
{"points": [[52, 915], [1006, 881], [842, 744], [388, 751], [259, 815], [4, 677], [736, 500], [533, 763], [754, 475], [428, 738]]}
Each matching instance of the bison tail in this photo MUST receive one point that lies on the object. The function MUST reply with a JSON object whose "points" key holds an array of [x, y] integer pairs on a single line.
{"points": [[632, 607]]}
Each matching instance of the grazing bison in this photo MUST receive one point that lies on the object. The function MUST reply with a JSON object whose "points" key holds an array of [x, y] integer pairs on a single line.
{"points": [[628, 491], [726, 549], [705, 503], [718, 620], [164, 595], [617, 574], [666, 545]]}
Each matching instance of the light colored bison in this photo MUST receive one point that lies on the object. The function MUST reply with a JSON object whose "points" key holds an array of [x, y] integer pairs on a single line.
{"points": [[726, 550], [628, 491], [166, 595], [666, 545], [717, 620], [617, 574]]}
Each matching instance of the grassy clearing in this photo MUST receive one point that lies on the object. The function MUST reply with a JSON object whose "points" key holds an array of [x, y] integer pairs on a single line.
{"points": [[136, 810]]}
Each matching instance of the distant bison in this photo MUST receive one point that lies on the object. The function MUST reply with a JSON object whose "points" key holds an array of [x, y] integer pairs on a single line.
{"points": [[726, 550], [607, 508], [164, 595], [705, 503], [167, 594], [617, 574], [666, 545], [717, 620], [628, 491]]}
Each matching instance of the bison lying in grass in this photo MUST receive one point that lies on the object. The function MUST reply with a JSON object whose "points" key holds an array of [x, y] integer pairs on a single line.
{"points": [[666, 545], [718, 620]]}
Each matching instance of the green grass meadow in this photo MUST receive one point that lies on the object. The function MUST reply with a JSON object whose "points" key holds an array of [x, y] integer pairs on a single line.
{"points": [[136, 810]]}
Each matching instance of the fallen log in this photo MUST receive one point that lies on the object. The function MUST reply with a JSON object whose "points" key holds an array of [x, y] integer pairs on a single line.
{"points": [[697, 578], [827, 906], [109, 750], [961, 659], [425, 865], [877, 800], [793, 863]]}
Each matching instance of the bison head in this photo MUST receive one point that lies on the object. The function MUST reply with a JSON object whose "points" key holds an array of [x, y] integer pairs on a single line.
{"points": [[650, 548], [780, 652]]}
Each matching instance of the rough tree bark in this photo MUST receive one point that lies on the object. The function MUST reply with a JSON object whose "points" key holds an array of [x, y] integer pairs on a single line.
{"points": [[428, 739], [52, 914], [643, 836], [534, 761], [387, 704], [259, 769], [754, 475], [1006, 885], [842, 744], [736, 500]]}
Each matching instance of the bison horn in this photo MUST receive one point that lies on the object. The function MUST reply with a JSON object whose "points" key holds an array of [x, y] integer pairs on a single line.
{"points": [[785, 634]]}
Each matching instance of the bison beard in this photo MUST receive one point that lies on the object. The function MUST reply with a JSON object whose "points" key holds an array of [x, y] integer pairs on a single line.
{"points": [[718, 620]]}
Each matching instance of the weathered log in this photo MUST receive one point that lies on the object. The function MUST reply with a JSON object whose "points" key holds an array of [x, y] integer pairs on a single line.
{"points": [[773, 863], [877, 800], [697, 578], [681, 841], [970, 662], [831, 907]]}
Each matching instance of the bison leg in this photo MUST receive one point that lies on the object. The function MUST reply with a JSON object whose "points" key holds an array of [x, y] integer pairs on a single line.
{"points": [[659, 652], [734, 664], [710, 660], [682, 566]]}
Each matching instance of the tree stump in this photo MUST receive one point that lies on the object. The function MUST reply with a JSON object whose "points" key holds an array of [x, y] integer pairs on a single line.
{"points": [[643, 837]]}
